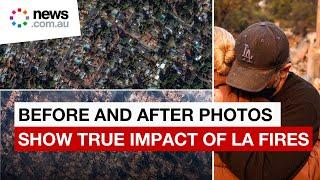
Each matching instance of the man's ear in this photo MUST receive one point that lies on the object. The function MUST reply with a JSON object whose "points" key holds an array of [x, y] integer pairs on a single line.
{"points": [[285, 70]]}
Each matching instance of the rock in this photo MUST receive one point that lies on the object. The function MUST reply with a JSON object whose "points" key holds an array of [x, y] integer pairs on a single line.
{"points": [[299, 53]]}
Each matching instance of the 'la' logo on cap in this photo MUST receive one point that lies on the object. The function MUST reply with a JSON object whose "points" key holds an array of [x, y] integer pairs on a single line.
{"points": [[247, 54]]}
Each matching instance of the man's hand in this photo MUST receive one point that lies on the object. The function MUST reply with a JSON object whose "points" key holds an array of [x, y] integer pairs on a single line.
{"points": [[218, 95]]}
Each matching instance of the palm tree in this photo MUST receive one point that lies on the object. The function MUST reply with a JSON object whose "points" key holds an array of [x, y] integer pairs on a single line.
{"points": [[318, 25], [313, 68]]}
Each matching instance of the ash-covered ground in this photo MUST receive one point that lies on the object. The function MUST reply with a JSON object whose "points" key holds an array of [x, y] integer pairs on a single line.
{"points": [[99, 165]]}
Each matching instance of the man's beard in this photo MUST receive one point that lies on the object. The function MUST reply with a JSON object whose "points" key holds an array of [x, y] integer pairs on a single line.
{"points": [[266, 93], [269, 91]]}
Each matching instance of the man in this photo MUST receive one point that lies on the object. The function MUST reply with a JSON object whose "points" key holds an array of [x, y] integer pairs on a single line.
{"points": [[262, 69]]}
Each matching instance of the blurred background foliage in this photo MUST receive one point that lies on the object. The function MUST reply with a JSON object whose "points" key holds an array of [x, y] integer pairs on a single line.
{"points": [[236, 15]]}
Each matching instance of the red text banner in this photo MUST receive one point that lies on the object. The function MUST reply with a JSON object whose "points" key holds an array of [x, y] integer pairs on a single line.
{"points": [[162, 139]]}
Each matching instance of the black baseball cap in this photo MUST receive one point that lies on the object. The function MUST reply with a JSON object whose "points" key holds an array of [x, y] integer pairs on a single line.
{"points": [[260, 49]]}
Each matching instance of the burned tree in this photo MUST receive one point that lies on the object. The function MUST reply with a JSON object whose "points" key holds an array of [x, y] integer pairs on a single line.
{"points": [[313, 69]]}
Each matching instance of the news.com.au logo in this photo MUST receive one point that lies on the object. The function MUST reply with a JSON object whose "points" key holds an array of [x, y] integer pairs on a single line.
{"points": [[23, 20], [39, 18]]}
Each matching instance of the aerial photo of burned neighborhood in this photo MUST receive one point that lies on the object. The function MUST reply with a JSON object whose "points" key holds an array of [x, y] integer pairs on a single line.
{"points": [[124, 44], [99, 165]]}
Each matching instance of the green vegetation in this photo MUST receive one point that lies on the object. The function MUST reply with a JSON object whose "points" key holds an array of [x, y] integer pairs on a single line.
{"points": [[236, 15]]}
